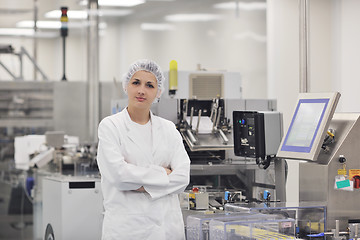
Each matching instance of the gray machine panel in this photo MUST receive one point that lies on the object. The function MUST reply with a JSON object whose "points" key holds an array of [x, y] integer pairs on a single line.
{"points": [[310, 121], [67, 208], [70, 108], [317, 179]]}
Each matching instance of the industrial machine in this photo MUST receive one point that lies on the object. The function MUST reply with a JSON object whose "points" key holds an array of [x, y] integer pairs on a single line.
{"points": [[257, 135], [309, 217], [204, 127], [327, 144], [72, 208], [204, 85], [209, 128], [239, 225]]}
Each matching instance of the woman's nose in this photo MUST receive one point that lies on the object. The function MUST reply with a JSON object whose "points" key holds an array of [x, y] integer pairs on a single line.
{"points": [[141, 89]]}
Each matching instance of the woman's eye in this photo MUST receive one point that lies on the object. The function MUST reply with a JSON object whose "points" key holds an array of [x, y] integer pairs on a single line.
{"points": [[150, 85], [135, 83]]}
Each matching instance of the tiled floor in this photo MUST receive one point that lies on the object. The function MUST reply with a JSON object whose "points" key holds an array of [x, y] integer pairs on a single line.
{"points": [[13, 226]]}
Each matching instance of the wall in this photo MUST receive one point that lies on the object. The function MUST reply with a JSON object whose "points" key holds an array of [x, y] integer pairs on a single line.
{"points": [[347, 60], [236, 42]]}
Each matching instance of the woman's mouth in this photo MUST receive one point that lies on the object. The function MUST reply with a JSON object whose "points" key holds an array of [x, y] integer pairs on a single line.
{"points": [[140, 99]]}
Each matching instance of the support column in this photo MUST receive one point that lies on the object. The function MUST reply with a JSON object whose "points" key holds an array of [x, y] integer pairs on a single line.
{"points": [[93, 69]]}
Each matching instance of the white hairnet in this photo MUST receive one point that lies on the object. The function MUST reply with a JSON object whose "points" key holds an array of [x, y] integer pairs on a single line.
{"points": [[145, 65]]}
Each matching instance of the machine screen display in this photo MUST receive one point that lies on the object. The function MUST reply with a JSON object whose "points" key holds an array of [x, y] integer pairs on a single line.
{"points": [[305, 124]]}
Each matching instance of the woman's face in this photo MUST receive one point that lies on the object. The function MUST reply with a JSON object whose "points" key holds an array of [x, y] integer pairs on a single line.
{"points": [[142, 90]]}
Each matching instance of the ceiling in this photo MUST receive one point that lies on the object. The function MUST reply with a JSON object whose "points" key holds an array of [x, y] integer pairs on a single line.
{"points": [[13, 11]]}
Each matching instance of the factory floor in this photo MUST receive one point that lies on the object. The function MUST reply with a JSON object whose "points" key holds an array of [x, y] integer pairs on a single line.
{"points": [[13, 224]]}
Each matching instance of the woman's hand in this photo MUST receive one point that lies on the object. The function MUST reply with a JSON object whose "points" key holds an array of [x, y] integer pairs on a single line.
{"points": [[168, 170], [142, 189]]}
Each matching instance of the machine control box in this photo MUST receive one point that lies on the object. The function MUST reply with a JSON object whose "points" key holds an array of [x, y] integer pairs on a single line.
{"points": [[257, 134]]}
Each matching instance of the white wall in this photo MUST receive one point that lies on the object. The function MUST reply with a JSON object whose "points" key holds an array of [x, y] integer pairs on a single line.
{"points": [[235, 43], [214, 45], [49, 58], [283, 70], [347, 58]]}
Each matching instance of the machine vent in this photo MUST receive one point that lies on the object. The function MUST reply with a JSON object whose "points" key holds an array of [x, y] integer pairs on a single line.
{"points": [[206, 86]]}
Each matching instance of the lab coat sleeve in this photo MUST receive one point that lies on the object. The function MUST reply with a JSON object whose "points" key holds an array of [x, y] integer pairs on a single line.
{"points": [[180, 176], [112, 165]]}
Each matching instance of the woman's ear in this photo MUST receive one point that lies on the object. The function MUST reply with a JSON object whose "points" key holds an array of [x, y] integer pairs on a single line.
{"points": [[158, 94]]}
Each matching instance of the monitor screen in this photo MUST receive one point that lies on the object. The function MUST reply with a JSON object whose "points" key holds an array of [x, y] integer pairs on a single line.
{"points": [[308, 126]]}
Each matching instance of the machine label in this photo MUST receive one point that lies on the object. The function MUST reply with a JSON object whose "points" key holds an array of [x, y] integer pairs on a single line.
{"points": [[342, 172], [342, 184], [354, 175]]}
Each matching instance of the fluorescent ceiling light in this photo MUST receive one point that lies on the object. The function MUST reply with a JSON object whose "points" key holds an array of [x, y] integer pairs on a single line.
{"points": [[16, 32], [20, 32], [71, 14], [84, 14], [39, 24], [246, 6], [157, 27], [120, 3], [54, 24], [114, 12], [196, 17], [115, 3]]}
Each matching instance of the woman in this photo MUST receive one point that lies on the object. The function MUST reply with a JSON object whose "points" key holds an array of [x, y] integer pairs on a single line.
{"points": [[143, 163]]}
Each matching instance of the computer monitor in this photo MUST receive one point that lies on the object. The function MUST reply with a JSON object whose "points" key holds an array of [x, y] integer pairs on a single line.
{"points": [[309, 124]]}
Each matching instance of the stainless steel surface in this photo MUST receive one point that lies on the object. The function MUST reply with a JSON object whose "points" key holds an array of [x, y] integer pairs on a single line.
{"points": [[36, 66], [26, 104], [206, 85], [35, 40], [192, 115], [208, 142], [322, 127], [93, 70], [223, 136], [20, 76], [58, 106], [317, 180], [213, 117], [231, 84], [304, 45], [273, 130], [67, 208], [280, 180], [191, 136], [198, 122], [218, 118], [70, 109], [216, 169], [28, 123]]}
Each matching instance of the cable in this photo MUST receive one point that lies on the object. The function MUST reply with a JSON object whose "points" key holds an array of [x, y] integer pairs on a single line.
{"points": [[25, 190]]}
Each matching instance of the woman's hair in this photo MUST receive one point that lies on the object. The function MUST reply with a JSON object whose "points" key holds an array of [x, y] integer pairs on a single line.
{"points": [[145, 65]]}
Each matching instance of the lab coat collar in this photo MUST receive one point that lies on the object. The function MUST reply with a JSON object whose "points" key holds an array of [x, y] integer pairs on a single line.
{"points": [[156, 125], [156, 134]]}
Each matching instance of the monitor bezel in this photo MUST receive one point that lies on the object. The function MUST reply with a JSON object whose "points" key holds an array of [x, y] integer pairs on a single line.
{"points": [[310, 153]]}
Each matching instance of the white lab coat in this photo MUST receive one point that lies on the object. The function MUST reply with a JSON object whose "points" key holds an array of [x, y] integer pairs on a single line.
{"points": [[126, 166]]}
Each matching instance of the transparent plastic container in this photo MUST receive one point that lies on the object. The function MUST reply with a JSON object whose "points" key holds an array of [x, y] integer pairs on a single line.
{"points": [[310, 217], [197, 226], [254, 229]]}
